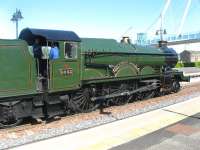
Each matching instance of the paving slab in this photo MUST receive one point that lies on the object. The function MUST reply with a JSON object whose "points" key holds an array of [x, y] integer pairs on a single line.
{"points": [[184, 135]]}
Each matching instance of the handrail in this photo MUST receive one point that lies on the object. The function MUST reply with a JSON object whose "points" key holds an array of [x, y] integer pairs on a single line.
{"points": [[171, 38]]}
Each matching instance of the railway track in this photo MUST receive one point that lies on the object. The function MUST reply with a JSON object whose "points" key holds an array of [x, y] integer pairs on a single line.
{"points": [[29, 132], [16, 129]]}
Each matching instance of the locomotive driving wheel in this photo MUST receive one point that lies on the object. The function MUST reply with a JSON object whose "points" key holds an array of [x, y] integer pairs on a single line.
{"points": [[9, 120], [81, 101], [175, 86], [10, 123], [122, 100]]}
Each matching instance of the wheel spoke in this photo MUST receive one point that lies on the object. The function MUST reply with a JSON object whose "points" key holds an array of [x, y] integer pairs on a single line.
{"points": [[81, 101]]}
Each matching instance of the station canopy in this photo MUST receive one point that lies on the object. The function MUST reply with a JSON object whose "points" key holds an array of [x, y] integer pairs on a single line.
{"points": [[29, 35]]}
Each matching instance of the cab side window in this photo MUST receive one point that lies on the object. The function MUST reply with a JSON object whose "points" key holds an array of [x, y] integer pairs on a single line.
{"points": [[70, 50]]}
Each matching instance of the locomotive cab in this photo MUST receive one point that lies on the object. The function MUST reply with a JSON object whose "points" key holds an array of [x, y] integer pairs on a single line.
{"points": [[58, 74]]}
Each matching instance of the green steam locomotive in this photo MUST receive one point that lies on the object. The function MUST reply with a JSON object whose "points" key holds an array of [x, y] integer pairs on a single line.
{"points": [[88, 72]]}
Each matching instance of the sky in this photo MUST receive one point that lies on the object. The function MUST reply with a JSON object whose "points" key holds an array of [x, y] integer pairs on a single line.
{"points": [[102, 18]]}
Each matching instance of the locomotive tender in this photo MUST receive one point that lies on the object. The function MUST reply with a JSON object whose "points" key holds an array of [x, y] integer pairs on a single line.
{"points": [[89, 71]]}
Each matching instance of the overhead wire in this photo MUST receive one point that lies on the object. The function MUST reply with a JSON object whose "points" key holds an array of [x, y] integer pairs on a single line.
{"points": [[154, 22]]}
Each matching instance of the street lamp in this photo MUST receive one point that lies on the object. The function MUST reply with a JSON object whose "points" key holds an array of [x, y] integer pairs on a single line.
{"points": [[17, 16], [161, 32]]}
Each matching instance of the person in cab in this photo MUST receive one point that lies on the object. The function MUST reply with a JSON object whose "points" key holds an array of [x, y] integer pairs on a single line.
{"points": [[37, 53], [54, 52]]}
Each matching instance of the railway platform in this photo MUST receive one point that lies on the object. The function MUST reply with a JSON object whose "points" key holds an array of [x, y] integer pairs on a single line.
{"points": [[173, 127], [184, 135], [190, 71]]}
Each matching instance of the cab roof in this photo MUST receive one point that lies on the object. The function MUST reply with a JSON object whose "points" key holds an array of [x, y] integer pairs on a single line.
{"points": [[29, 34]]}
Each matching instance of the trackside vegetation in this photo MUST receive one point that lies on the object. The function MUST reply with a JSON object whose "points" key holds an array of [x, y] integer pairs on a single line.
{"points": [[188, 64]]}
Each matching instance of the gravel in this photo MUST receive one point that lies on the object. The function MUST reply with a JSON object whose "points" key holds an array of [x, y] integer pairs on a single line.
{"points": [[85, 121]]}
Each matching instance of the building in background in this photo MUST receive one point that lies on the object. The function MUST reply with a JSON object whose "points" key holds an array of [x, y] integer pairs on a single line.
{"points": [[190, 56]]}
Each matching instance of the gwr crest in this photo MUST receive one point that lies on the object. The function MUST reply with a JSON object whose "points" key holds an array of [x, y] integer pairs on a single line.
{"points": [[66, 71]]}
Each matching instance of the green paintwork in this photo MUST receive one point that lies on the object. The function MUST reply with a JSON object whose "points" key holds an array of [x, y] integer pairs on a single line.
{"points": [[125, 69], [141, 61], [91, 73], [111, 45], [107, 45], [147, 70], [18, 71], [60, 82], [114, 61], [17, 75]]}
